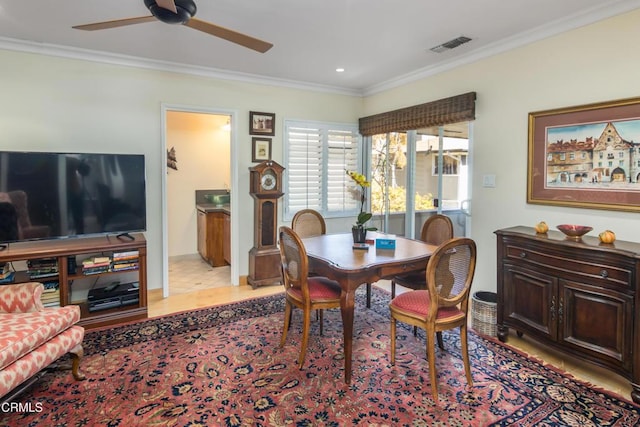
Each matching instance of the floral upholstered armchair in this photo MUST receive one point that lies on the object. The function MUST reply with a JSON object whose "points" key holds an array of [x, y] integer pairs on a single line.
{"points": [[32, 336]]}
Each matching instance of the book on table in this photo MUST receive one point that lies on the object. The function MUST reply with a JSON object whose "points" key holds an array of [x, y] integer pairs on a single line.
{"points": [[96, 262], [42, 268], [126, 255]]}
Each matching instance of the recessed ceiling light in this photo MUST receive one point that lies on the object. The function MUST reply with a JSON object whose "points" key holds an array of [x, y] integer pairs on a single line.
{"points": [[339, 70]]}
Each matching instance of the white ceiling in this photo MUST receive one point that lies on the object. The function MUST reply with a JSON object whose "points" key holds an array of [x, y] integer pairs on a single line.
{"points": [[380, 43]]}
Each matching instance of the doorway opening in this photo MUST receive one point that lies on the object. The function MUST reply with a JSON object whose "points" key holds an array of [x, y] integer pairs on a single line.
{"points": [[200, 149]]}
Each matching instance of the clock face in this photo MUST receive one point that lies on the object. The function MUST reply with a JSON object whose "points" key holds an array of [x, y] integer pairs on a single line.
{"points": [[268, 180]]}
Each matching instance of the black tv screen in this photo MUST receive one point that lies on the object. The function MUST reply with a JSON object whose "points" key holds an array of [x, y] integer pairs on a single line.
{"points": [[59, 195]]}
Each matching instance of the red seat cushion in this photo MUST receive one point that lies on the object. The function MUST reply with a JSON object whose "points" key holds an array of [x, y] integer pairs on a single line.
{"points": [[417, 302], [320, 288]]}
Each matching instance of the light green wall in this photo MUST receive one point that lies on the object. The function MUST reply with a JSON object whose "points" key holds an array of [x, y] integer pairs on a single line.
{"points": [[56, 104], [595, 63]]}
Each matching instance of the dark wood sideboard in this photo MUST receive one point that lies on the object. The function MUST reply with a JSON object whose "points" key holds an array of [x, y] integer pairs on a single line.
{"points": [[580, 297]]}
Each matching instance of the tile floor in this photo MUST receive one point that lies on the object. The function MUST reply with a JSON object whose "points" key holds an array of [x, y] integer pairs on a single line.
{"points": [[195, 284], [190, 273]]}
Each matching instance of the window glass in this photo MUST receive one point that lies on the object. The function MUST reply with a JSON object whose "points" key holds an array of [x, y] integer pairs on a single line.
{"points": [[388, 174]]}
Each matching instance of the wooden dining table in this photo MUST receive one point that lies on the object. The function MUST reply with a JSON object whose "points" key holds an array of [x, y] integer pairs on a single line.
{"points": [[333, 256]]}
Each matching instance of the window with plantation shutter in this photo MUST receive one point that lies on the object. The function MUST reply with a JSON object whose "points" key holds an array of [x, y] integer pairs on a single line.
{"points": [[316, 156]]}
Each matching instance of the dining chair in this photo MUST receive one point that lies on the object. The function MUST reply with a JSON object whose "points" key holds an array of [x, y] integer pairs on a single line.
{"points": [[301, 290], [443, 305], [436, 229], [309, 223]]}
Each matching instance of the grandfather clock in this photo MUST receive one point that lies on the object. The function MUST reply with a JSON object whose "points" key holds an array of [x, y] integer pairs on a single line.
{"points": [[264, 257]]}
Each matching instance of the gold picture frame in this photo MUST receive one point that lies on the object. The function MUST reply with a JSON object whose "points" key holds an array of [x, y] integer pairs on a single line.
{"points": [[586, 156]]}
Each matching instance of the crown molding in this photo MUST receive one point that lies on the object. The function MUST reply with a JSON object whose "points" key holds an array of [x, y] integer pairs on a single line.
{"points": [[151, 64], [577, 20], [581, 18]]}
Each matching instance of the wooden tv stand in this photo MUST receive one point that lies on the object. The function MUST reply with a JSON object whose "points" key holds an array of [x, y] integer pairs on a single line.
{"points": [[66, 252], [581, 297]]}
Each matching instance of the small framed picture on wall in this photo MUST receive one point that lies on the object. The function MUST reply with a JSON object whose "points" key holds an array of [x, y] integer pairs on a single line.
{"points": [[262, 123], [260, 149]]}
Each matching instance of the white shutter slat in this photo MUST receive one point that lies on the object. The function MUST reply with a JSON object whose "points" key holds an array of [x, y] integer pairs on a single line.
{"points": [[316, 156]]}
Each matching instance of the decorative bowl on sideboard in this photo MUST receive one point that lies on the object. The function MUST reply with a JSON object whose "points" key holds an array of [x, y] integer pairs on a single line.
{"points": [[573, 231]]}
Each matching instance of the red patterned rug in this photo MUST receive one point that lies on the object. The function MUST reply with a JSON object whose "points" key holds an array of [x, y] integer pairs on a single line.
{"points": [[221, 366]]}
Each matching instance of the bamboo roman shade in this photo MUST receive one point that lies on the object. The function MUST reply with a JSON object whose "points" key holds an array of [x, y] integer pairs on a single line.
{"points": [[455, 109]]}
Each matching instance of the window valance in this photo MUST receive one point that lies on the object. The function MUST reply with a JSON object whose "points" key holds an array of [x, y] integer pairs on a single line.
{"points": [[454, 109]]}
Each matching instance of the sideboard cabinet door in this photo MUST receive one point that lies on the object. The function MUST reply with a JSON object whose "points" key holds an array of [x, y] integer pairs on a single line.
{"points": [[530, 301], [597, 322]]}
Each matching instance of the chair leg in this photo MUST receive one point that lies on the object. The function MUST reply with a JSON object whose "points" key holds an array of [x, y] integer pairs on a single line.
{"points": [[431, 355], [76, 355], [440, 341], [321, 314], [438, 337], [306, 325], [287, 322], [465, 354], [393, 341], [368, 295], [290, 317]]}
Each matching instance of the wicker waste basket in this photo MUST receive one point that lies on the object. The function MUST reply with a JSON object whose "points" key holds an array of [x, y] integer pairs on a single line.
{"points": [[483, 312]]}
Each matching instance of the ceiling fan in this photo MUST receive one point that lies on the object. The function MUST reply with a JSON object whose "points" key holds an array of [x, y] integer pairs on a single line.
{"points": [[181, 12]]}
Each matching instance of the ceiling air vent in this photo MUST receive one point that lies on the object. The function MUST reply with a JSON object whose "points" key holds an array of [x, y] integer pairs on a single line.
{"points": [[450, 44]]}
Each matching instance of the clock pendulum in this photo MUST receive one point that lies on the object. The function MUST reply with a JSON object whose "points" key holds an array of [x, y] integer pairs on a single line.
{"points": [[264, 257]]}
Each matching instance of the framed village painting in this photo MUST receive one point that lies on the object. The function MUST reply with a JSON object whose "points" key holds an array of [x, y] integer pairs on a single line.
{"points": [[586, 156]]}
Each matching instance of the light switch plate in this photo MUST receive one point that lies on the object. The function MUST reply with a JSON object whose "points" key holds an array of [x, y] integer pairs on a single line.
{"points": [[489, 181]]}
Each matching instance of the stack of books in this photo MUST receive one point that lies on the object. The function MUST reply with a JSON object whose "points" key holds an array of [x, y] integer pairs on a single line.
{"points": [[51, 294], [6, 275], [123, 261], [96, 265], [42, 268]]}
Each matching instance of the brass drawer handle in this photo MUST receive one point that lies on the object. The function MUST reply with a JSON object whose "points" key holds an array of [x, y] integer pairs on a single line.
{"points": [[604, 274], [523, 254]]}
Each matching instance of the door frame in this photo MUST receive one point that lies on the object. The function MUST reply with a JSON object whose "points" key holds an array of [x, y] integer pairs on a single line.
{"points": [[165, 108]]}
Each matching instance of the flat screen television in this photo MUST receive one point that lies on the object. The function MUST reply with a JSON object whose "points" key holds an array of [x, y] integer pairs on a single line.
{"points": [[63, 195]]}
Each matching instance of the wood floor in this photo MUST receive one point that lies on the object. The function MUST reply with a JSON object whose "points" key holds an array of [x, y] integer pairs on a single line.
{"points": [[219, 293]]}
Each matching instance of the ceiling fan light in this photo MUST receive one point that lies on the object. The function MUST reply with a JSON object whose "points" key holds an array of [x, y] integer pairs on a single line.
{"points": [[186, 9]]}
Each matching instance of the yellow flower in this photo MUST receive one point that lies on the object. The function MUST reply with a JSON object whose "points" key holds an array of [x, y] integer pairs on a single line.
{"points": [[361, 180]]}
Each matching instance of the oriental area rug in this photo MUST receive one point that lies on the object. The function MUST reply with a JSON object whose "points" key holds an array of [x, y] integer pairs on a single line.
{"points": [[221, 366]]}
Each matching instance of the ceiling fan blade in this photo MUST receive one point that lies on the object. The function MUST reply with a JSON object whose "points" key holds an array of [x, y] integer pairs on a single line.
{"points": [[167, 4], [114, 24], [230, 35]]}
